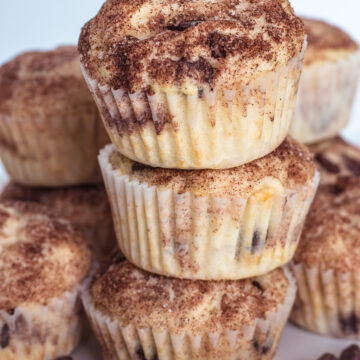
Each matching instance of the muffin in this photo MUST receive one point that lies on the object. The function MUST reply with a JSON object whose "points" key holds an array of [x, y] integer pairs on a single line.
{"points": [[42, 263], [327, 263], [181, 84], [138, 315], [86, 207], [211, 224], [336, 157], [50, 128], [328, 83]]}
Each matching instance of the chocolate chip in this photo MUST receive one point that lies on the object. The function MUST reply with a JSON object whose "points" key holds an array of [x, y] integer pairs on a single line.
{"points": [[140, 355], [117, 258], [5, 336], [20, 323], [216, 46], [351, 353], [257, 284], [200, 69], [327, 356], [349, 325], [138, 167], [353, 165], [261, 349], [184, 25], [255, 241], [327, 164], [200, 93]]}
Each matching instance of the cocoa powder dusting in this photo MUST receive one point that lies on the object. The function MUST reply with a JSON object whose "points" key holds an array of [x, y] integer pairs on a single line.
{"points": [[131, 294], [197, 43], [30, 270], [291, 163]]}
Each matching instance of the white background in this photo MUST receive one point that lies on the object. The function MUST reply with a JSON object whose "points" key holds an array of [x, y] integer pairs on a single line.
{"points": [[43, 24]]}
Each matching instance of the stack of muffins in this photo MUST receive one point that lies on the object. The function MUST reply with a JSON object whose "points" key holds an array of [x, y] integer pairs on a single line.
{"points": [[208, 195], [326, 264], [50, 133]]}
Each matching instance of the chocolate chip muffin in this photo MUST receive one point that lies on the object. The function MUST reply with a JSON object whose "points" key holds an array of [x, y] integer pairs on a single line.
{"points": [[50, 128], [182, 84], [328, 83], [336, 157], [139, 315], [86, 207], [327, 262], [211, 224], [43, 260]]}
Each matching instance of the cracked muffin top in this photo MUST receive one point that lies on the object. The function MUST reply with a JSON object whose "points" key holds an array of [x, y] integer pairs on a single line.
{"points": [[128, 294], [41, 256], [290, 166], [132, 44], [331, 236], [326, 42], [336, 158]]}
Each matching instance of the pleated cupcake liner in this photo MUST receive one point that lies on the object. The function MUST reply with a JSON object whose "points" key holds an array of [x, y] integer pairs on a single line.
{"points": [[325, 99], [216, 129], [55, 152], [327, 302], [204, 237], [258, 340], [38, 332]]}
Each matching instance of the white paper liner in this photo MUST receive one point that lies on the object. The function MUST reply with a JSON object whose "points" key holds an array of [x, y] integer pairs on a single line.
{"points": [[187, 236], [61, 152], [251, 342], [325, 99], [42, 332], [218, 129], [327, 302]]}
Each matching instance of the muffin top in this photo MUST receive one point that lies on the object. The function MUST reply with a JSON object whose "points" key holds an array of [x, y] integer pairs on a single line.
{"points": [[336, 157], [45, 85], [122, 291], [134, 43], [81, 205], [331, 236], [290, 166], [41, 256], [326, 42]]}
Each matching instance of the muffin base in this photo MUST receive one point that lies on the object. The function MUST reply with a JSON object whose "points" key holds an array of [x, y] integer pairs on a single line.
{"points": [[208, 237], [325, 99], [42, 332], [328, 302], [255, 341], [200, 129], [62, 155]]}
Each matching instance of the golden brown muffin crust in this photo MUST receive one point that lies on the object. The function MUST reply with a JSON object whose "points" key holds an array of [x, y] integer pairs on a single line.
{"points": [[324, 38], [124, 292], [336, 157], [331, 236], [41, 256], [131, 44], [291, 165]]}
